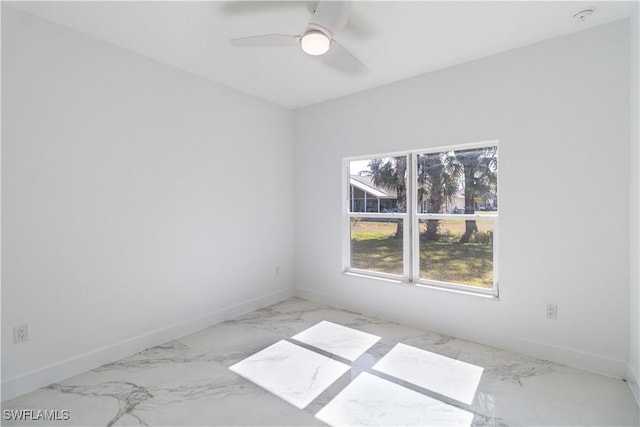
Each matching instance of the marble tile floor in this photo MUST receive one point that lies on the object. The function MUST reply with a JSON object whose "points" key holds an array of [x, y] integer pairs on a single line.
{"points": [[301, 363]]}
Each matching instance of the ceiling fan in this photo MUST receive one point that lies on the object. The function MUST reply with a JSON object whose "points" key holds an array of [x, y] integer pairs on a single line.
{"points": [[328, 17]]}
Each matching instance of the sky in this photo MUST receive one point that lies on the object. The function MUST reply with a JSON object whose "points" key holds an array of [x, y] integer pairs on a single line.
{"points": [[356, 166]]}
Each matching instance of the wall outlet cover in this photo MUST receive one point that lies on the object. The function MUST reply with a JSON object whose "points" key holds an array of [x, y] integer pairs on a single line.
{"points": [[20, 333]]}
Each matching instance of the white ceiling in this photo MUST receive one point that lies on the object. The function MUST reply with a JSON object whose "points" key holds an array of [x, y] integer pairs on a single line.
{"points": [[395, 39]]}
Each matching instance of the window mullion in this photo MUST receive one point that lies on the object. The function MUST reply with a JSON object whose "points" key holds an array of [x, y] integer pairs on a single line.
{"points": [[407, 232], [415, 226]]}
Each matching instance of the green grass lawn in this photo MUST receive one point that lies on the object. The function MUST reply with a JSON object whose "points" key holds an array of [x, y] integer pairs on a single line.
{"points": [[374, 248], [377, 254], [464, 263]]}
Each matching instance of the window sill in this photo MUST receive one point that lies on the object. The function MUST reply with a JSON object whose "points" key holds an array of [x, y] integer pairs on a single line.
{"points": [[402, 282]]}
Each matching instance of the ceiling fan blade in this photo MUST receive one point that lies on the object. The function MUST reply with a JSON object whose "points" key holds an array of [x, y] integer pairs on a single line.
{"points": [[267, 40], [340, 59], [311, 5], [331, 15]]}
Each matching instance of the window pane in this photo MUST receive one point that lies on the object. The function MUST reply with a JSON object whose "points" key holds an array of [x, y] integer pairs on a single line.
{"points": [[458, 181], [376, 245], [457, 251], [378, 185]]}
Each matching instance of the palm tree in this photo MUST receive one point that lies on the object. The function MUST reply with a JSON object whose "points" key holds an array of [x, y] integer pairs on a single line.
{"points": [[438, 175], [480, 166], [392, 174]]}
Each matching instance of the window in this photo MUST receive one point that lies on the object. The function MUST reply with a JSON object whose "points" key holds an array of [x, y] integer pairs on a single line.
{"points": [[377, 214], [427, 217]]}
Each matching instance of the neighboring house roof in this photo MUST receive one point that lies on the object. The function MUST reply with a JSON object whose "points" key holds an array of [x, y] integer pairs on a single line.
{"points": [[365, 183]]}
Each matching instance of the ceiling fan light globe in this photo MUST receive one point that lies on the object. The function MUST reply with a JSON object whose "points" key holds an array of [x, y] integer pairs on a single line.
{"points": [[315, 43]]}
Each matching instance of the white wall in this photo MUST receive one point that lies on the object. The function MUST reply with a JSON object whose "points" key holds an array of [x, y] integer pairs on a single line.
{"points": [[560, 110], [634, 196], [139, 202]]}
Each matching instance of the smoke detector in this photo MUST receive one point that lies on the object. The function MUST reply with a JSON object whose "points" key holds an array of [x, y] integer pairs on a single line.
{"points": [[583, 15]]}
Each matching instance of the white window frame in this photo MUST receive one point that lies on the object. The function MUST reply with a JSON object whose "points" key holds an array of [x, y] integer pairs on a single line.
{"points": [[406, 223], [411, 220]]}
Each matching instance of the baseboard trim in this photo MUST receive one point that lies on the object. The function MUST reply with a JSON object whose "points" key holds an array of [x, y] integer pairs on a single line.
{"points": [[566, 356], [632, 380], [38, 378]]}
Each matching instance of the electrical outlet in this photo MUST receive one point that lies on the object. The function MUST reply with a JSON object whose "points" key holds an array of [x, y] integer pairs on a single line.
{"points": [[20, 334], [552, 311]]}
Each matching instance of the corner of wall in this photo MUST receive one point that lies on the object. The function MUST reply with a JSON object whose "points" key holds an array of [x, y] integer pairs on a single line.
{"points": [[633, 368]]}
